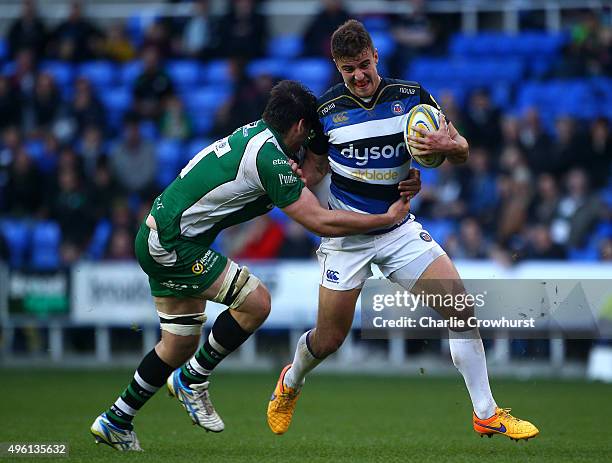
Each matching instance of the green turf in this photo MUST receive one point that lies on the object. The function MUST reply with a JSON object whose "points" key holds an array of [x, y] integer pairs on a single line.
{"points": [[340, 418]]}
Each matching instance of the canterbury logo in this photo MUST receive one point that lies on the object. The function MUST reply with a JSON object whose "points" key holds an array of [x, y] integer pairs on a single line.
{"points": [[340, 118]]}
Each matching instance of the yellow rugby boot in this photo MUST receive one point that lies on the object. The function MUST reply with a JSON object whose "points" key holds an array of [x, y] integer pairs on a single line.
{"points": [[502, 422], [282, 405]]}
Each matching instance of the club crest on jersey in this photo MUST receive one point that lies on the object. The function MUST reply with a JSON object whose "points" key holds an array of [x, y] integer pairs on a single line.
{"points": [[425, 236], [397, 108]]}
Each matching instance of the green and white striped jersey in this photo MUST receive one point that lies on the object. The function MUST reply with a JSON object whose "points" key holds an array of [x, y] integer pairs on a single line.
{"points": [[231, 181]]}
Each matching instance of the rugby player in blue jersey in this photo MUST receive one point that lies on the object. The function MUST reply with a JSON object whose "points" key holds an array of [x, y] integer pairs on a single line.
{"points": [[362, 145]]}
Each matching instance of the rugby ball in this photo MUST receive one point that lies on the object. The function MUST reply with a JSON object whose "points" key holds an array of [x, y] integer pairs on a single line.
{"points": [[426, 117]]}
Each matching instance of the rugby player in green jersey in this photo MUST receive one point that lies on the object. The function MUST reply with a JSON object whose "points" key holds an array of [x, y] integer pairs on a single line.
{"points": [[231, 181]]}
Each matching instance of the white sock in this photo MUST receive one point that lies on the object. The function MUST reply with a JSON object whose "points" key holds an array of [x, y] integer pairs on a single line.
{"points": [[468, 356], [303, 363]]}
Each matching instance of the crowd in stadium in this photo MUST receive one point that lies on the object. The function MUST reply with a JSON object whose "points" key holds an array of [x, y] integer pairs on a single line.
{"points": [[95, 121]]}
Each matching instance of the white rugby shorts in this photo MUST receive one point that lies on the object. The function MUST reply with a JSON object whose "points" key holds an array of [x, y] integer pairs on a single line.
{"points": [[346, 261]]}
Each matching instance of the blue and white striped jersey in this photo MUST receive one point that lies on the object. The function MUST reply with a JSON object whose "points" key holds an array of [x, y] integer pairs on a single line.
{"points": [[365, 143]]}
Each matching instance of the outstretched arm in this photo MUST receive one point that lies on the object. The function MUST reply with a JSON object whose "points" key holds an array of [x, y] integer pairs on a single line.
{"points": [[324, 222]]}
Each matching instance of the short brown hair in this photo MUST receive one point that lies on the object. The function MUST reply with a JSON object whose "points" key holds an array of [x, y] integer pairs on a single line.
{"points": [[350, 40]]}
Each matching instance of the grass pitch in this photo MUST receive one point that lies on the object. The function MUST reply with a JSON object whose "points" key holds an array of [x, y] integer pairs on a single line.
{"points": [[339, 419]]}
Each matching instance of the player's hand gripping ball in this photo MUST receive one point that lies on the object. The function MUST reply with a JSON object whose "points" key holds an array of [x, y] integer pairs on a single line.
{"points": [[425, 117]]}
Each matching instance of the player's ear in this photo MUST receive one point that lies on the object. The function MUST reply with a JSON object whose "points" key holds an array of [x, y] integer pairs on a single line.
{"points": [[375, 54]]}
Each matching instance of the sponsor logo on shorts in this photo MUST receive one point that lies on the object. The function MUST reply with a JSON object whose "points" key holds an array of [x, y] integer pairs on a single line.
{"points": [[397, 108], [176, 286], [332, 276], [425, 236], [197, 268]]}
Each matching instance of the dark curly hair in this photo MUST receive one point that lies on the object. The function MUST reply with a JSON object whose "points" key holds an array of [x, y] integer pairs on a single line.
{"points": [[350, 40], [289, 102]]}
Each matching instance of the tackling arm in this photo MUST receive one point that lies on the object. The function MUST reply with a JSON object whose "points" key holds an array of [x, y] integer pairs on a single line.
{"points": [[324, 222]]}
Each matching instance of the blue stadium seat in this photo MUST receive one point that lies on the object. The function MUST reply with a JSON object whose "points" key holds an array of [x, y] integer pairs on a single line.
{"points": [[149, 130], [129, 72], [117, 101], [3, 49], [384, 43], [17, 236], [46, 240], [169, 161], [99, 240], [194, 147], [136, 26], [8, 69], [99, 73], [285, 46], [184, 73], [217, 72], [35, 148], [62, 72], [315, 73], [376, 23], [439, 229], [202, 105], [276, 67]]}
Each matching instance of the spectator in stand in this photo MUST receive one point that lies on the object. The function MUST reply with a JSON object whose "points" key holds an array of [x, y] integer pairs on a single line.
{"points": [[243, 31], [152, 86], [470, 244], [264, 238], [10, 144], [317, 36], [47, 163], [590, 45], [25, 187], [157, 36], [71, 209], [599, 159], [200, 35], [122, 216], [92, 148], [443, 199], [481, 189], [86, 109], [44, 107], [540, 245], [482, 121], [133, 161], [297, 243], [568, 149], [534, 141], [546, 200], [116, 46], [414, 35], [175, 123], [23, 79], [121, 245], [578, 212], [605, 250], [27, 31], [76, 39], [103, 191], [10, 105], [246, 103]]}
